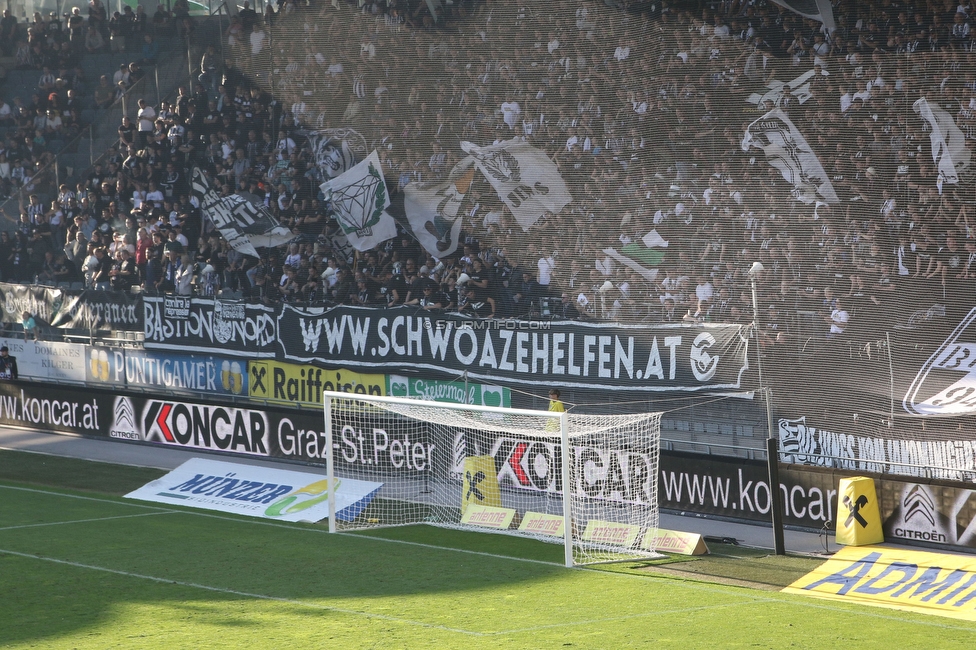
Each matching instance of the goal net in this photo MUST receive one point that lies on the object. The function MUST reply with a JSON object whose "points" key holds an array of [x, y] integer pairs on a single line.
{"points": [[402, 461]]}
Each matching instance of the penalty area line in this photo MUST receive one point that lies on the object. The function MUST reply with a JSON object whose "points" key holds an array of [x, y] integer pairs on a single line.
{"points": [[243, 594]]}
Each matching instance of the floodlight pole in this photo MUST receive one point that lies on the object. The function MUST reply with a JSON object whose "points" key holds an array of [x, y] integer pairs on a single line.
{"points": [[772, 451]]}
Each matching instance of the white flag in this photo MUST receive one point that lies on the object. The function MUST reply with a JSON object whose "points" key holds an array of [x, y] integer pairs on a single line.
{"points": [[433, 209], [524, 178], [788, 151], [949, 151], [359, 202]]}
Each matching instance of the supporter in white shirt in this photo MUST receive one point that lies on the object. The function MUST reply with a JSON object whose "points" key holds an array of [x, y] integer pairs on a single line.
{"points": [[147, 117], [155, 195], [704, 290], [621, 53], [510, 113], [546, 266]]}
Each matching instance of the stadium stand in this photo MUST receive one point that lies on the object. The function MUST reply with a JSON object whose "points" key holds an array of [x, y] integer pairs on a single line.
{"points": [[645, 108]]}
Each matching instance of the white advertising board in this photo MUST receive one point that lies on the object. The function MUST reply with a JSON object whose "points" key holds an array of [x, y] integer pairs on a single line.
{"points": [[264, 492]]}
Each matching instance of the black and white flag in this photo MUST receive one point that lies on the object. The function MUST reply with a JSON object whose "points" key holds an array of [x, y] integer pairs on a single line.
{"points": [[336, 150], [524, 178], [245, 225], [788, 151]]}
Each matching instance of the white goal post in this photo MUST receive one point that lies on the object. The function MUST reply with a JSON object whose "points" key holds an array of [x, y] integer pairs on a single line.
{"points": [[396, 461]]}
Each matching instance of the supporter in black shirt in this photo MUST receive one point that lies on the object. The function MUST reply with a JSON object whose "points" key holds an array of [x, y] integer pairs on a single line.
{"points": [[395, 289]]}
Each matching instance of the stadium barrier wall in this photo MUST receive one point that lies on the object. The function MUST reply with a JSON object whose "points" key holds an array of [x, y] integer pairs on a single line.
{"points": [[937, 513]]}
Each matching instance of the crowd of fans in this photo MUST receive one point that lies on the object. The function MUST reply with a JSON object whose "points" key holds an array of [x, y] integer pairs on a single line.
{"points": [[37, 127], [643, 109]]}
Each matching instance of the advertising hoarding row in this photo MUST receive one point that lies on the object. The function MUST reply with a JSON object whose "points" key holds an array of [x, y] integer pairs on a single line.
{"points": [[918, 512]]}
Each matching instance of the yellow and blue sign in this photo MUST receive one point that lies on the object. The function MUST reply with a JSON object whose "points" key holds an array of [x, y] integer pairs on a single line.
{"points": [[916, 581]]}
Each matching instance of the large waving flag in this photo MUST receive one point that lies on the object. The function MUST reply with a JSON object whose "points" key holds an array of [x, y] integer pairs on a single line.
{"points": [[788, 151], [949, 151], [245, 224], [433, 209], [359, 201], [524, 178]]}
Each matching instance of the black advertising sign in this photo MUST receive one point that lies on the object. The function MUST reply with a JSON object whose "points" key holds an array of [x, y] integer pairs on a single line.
{"points": [[564, 353], [206, 325], [739, 489], [55, 409]]}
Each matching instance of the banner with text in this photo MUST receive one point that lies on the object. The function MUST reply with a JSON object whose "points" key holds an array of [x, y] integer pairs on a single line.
{"points": [[43, 361], [207, 325], [302, 384], [195, 373], [584, 355], [455, 392], [100, 310]]}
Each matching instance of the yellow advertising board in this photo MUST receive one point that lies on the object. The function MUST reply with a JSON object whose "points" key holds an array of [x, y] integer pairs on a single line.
{"points": [[542, 524], [488, 516], [674, 541], [480, 485], [858, 516], [294, 383], [610, 532], [916, 581]]}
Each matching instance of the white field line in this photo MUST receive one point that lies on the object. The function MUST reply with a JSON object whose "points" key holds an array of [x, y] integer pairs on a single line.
{"points": [[809, 603], [86, 521], [242, 594], [366, 614]]}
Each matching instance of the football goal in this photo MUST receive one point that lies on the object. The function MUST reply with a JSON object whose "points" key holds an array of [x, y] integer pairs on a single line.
{"points": [[588, 482]]}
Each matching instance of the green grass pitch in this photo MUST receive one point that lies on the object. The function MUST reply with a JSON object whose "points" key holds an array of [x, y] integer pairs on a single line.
{"points": [[92, 570]]}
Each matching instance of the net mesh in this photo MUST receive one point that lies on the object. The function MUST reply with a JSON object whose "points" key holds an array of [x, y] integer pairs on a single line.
{"points": [[497, 471]]}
